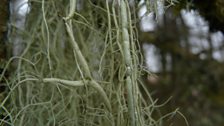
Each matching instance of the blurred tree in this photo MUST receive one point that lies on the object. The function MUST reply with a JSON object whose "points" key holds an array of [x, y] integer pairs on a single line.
{"points": [[4, 14], [4, 17], [196, 83], [212, 11]]}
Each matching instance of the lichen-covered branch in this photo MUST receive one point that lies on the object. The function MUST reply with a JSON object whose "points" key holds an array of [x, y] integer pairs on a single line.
{"points": [[81, 59], [128, 61]]}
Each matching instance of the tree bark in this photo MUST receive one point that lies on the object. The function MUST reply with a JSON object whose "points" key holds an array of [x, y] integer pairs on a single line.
{"points": [[4, 14]]}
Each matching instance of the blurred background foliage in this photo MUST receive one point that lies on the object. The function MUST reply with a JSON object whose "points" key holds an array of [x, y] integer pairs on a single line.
{"points": [[194, 80]]}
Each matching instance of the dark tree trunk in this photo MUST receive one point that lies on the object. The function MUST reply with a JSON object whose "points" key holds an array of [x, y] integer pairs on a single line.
{"points": [[4, 16]]}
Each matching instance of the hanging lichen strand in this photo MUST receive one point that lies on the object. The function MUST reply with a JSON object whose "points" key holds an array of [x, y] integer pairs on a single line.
{"points": [[81, 67], [128, 62], [81, 59]]}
